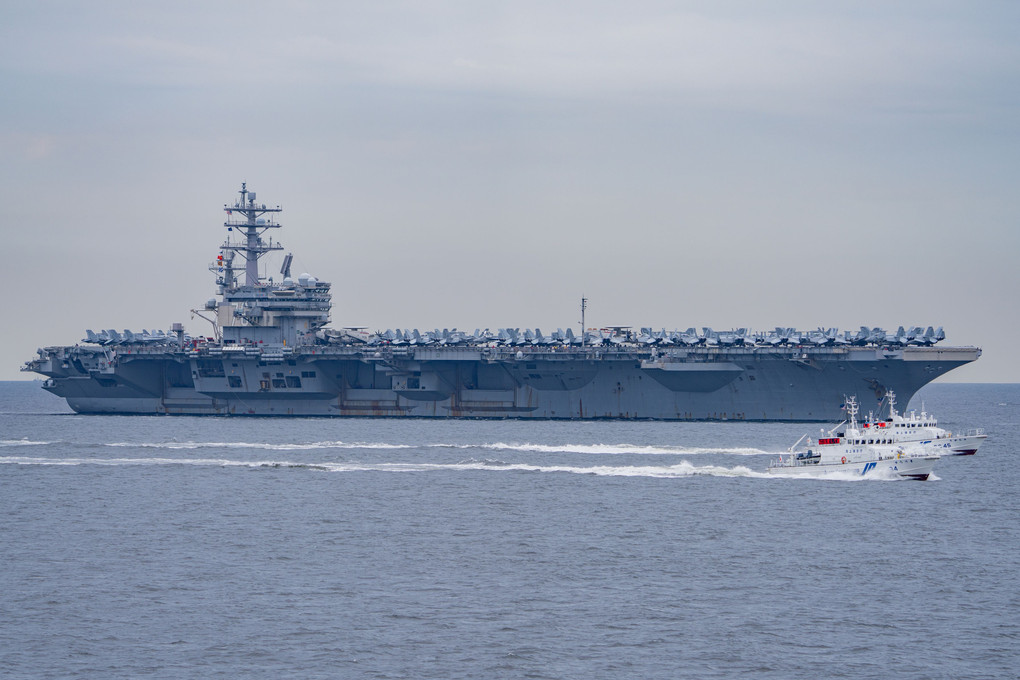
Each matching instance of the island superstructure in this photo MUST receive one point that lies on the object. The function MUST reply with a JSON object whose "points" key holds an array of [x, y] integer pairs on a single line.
{"points": [[273, 353]]}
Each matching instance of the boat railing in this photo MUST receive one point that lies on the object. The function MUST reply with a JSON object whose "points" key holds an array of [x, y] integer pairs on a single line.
{"points": [[974, 432]]}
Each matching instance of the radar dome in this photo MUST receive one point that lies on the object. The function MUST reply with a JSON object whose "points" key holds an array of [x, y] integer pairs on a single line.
{"points": [[303, 279]]}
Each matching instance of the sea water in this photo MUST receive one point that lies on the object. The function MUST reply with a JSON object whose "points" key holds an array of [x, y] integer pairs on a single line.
{"points": [[209, 547]]}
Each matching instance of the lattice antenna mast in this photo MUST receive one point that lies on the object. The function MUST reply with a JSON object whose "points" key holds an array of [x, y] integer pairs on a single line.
{"points": [[584, 308], [252, 225]]}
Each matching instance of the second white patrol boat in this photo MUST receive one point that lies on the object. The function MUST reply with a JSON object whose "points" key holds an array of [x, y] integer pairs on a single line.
{"points": [[922, 429]]}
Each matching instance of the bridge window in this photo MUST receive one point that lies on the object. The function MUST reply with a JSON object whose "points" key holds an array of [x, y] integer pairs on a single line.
{"points": [[211, 368]]}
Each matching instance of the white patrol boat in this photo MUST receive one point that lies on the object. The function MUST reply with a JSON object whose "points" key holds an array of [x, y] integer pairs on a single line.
{"points": [[922, 429], [857, 450]]}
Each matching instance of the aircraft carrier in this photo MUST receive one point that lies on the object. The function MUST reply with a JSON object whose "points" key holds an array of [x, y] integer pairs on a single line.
{"points": [[272, 353]]}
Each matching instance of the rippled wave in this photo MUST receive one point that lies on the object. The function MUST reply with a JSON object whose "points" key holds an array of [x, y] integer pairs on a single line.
{"points": [[681, 469], [526, 447]]}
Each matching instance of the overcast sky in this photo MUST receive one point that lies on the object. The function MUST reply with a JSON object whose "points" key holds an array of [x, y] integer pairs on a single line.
{"points": [[485, 164]]}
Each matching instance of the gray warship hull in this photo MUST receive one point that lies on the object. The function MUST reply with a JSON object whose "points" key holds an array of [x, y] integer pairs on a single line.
{"points": [[273, 354], [705, 383]]}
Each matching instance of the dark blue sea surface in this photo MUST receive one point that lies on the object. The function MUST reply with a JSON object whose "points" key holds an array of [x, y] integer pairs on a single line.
{"points": [[207, 547]]}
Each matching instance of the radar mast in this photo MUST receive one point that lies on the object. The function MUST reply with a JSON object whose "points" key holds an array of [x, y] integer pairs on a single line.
{"points": [[252, 225]]}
